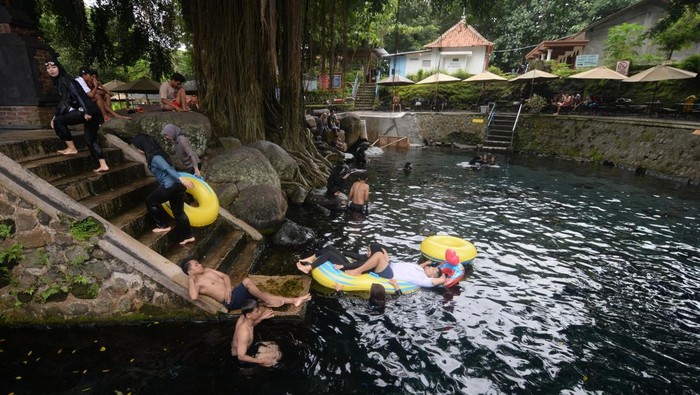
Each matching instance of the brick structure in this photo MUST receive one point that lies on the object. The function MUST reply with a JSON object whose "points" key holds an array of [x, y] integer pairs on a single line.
{"points": [[27, 98]]}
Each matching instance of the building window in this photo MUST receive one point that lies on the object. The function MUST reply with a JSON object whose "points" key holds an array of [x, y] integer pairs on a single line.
{"points": [[425, 64], [413, 59], [455, 59]]}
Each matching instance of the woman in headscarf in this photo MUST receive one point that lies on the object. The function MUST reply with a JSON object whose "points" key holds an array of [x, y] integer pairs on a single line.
{"points": [[75, 107], [171, 188], [183, 149]]}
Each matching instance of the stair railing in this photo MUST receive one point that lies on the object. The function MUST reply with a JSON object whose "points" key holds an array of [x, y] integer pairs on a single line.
{"points": [[515, 124], [492, 113], [355, 86]]}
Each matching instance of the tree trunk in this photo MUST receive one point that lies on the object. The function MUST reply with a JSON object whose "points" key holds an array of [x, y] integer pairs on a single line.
{"points": [[248, 64]]}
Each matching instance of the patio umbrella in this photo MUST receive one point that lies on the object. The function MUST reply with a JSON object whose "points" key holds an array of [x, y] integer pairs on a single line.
{"points": [[437, 78], [142, 85], [532, 76], [113, 84], [599, 73], [658, 73], [484, 77], [395, 80]]}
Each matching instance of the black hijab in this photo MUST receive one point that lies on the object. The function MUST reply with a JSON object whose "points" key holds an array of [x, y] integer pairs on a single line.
{"points": [[150, 148]]}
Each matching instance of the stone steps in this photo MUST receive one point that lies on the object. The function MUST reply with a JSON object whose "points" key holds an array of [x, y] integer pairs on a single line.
{"points": [[119, 197]]}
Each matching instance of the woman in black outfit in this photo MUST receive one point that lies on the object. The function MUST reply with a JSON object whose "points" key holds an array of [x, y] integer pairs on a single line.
{"points": [[75, 107]]}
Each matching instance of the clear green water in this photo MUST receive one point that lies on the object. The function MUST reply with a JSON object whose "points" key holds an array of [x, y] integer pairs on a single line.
{"points": [[587, 281]]}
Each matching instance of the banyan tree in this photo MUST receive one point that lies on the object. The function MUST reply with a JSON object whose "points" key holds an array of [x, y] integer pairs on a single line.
{"points": [[249, 66]]}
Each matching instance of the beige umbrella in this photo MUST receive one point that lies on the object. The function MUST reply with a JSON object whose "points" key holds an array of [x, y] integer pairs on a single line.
{"points": [[599, 73], [532, 76], [395, 80], [437, 78], [142, 85], [484, 77], [661, 72], [113, 84]]}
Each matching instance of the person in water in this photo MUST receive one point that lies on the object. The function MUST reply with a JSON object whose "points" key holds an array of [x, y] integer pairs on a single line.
{"points": [[336, 181], [217, 285], [377, 296], [359, 195], [265, 353], [183, 149], [171, 188], [75, 107], [407, 168]]}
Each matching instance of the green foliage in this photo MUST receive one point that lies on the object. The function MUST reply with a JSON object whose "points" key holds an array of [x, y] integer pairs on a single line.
{"points": [[93, 290], [561, 69], [6, 230], [691, 63], [42, 256], [80, 279], [596, 156], [622, 44], [88, 227], [11, 255], [535, 104], [681, 33], [78, 260], [51, 291]]}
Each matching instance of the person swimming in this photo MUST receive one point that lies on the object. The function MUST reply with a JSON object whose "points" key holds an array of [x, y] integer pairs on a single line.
{"points": [[407, 168]]}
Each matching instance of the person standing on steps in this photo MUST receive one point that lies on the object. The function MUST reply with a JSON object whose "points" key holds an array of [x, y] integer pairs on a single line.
{"points": [[171, 188], [183, 149], [74, 108]]}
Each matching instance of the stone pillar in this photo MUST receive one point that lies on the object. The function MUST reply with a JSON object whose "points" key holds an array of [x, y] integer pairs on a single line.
{"points": [[549, 54], [27, 97]]}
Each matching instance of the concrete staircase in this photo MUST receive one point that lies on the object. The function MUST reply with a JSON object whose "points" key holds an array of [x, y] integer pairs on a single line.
{"points": [[118, 196], [364, 98], [500, 131]]}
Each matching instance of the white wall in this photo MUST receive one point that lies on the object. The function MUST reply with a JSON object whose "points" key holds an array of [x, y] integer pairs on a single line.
{"points": [[428, 61]]}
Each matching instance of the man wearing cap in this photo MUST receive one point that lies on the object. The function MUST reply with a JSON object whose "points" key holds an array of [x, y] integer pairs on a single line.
{"points": [[172, 94], [86, 80]]}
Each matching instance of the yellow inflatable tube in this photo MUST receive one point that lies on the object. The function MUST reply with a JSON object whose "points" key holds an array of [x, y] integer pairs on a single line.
{"points": [[434, 247], [207, 209], [328, 276]]}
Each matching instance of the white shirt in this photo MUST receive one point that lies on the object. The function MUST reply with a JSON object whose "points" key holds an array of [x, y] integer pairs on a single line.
{"points": [[412, 273], [83, 84]]}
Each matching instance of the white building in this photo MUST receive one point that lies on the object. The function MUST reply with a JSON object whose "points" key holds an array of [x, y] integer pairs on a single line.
{"points": [[459, 48]]}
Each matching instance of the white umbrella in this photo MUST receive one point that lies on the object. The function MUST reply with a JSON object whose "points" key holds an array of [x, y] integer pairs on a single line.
{"points": [[532, 76], [599, 73], [395, 80], [658, 73], [437, 78], [484, 77]]}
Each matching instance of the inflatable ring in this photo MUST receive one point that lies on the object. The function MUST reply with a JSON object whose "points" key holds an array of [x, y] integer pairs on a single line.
{"points": [[207, 209], [454, 273], [434, 247], [328, 276]]}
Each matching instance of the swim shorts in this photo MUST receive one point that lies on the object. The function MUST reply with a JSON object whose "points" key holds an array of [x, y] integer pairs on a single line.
{"points": [[238, 296]]}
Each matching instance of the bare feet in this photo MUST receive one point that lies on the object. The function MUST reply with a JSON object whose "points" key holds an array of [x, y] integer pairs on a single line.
{"points": [[101, 169], [338, 287], [302, 299], [68, 151], [339, 267], [303, 268], [162, 230], [187, 241]]}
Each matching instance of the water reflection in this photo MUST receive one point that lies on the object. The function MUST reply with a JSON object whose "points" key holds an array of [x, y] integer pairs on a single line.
{"points": [[587, 280]]}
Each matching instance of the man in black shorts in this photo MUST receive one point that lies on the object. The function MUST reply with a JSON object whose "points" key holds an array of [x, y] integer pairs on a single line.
{"points": [[217, 285]]}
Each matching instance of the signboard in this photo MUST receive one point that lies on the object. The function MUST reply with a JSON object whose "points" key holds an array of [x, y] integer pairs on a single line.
{"points": [[324, 81], [337, 81], [623, 67], [586, 61]]}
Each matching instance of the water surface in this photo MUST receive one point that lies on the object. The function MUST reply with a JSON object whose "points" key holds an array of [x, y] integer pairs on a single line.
{"points": [[587, 281]]}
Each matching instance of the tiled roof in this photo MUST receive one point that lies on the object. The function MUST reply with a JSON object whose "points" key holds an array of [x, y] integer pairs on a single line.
{"points": [[459, 35]]}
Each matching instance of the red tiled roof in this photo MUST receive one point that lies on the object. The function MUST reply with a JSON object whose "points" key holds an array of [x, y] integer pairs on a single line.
{"points": [[459, 35]]}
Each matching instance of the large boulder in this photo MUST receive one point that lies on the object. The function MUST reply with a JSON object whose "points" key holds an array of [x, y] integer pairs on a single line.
{"points": [[261, 206], [285, 165], [291, 234], [243, 166], [350, 123], [194, 126]]}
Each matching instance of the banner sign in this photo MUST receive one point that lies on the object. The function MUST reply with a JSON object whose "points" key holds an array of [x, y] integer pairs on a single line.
{"points": [[586, 61]]}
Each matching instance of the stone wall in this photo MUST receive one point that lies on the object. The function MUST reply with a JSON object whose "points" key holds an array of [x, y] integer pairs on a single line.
{"points": [[48, 276], [661, 147]]}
